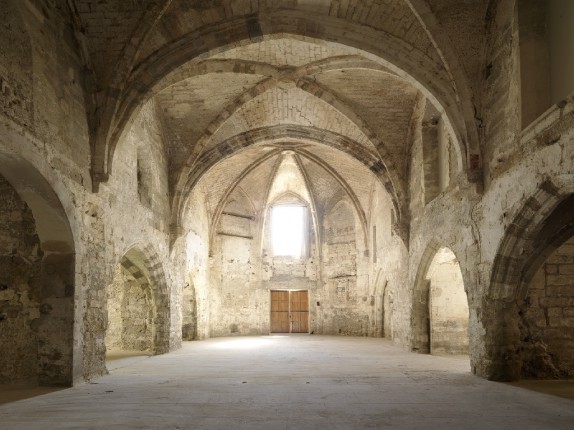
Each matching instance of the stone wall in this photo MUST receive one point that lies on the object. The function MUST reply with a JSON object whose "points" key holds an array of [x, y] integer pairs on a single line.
{"points": [[44, 140], [547, 318], [115, 293], [130, 314], [196, 271], [500, 115], [518, 167], [387, 268], [448, 306], [16, 75], [20, 288], [214, 270], [138, 212], [345, 301], [335, 267], [58, 83]]}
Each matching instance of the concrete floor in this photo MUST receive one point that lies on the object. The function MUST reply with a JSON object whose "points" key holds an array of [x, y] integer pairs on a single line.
{"points": [[299, 382]]}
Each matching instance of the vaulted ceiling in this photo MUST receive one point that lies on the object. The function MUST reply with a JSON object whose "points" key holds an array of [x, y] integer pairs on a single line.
{"points": [[242, 79]]}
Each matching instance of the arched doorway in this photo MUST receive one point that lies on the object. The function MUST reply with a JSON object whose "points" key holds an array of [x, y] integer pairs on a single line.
{"points": [[440, 309], [37, 279], [547, 317], [137, 307], [546, 302], [526, 312]]}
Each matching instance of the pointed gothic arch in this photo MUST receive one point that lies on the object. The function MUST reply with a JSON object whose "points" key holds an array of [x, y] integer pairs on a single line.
{"points": [[53, 289], [440, 311], [532, 234], [141, 321]]}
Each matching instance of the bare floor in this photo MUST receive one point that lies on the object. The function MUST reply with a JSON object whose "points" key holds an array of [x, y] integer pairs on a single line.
{"points": [[300, 382]]}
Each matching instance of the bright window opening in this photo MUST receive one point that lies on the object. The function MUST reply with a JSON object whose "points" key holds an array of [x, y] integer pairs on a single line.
{"points": [[287, 230]]}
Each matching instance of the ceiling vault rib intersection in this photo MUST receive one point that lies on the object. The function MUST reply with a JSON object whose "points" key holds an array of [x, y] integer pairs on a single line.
{"points": [[176, 53]]}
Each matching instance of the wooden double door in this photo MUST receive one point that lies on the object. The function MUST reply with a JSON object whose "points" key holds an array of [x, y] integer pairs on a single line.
{"points": [[289, 311]]}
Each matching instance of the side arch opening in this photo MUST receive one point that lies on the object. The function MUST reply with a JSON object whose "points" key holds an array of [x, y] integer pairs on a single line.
{"points": [[523, 294], [37, 280], [137, 308], [546, 299], [440, 305]]}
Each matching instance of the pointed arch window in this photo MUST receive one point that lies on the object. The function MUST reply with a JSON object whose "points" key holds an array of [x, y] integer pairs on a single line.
{"points": [[288, 230]]}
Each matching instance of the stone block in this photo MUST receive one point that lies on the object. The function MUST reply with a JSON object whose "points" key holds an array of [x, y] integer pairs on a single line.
{"points": [[566, 269], [554, 312], [557, 302], [538, 280], [560, 259], [559, 280]]}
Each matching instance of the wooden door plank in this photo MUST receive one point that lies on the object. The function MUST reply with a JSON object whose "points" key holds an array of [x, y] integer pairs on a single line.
{"points": [[299, 311], [280, 312]]}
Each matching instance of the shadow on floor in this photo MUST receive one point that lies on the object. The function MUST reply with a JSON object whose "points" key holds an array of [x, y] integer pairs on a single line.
{"points": [[114, 360], [560, 388], [12, 393]]}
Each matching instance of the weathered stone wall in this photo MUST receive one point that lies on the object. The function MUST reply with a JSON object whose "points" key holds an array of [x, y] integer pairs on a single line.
{"points": [[500, 117], [115, 293], [50, 88], [516, 166], [430, 319], [44, 136], [547, 318], [196, 272], [236, 302], [140, 175], [448, 306], [245, 269], [137, 217], [335, 268], [104, 225], [345, 300], [130, 314], [387, 268], [16, 74], [344, 296], [20, 288], [365, 285]]}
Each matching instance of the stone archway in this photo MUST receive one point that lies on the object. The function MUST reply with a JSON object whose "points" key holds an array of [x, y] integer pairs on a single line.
{"points": [[37, 279], [546, 315], [138, 305], [440, 305], [516, 338]]}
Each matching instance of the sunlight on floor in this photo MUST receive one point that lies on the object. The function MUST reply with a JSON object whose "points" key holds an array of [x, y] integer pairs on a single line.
{"points": [[116, 359], [245, 343]]}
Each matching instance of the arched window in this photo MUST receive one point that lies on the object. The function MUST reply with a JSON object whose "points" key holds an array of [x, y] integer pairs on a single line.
{"points": [[288, 230]]}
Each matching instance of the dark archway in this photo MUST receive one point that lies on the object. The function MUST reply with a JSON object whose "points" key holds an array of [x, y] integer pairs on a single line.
{"points": [[538, 229], [38, 277]]}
